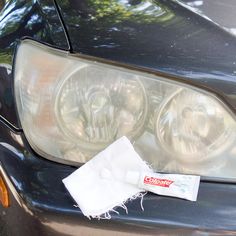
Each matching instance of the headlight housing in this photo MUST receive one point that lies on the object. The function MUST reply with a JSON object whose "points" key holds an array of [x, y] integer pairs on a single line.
{"points": [[71, 108]]}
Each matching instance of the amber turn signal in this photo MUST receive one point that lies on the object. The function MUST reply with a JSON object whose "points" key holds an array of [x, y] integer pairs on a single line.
{"points": [[4, 197]]}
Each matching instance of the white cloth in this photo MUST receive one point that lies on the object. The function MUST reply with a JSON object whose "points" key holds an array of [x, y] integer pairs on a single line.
{"points": [[98, 186]]}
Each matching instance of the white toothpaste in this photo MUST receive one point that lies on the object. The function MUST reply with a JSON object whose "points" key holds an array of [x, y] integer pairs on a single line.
{"points": [[174, 185]]}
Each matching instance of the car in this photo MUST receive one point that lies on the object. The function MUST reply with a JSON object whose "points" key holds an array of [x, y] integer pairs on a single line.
{"points": [[75, 75]]}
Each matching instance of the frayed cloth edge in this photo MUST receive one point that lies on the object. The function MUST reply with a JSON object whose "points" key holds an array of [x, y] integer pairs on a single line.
{"points": [[107, 215]]}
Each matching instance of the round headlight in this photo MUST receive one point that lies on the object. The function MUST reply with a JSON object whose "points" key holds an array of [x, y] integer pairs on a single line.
{"points": [[192, 126], [95, 108]]}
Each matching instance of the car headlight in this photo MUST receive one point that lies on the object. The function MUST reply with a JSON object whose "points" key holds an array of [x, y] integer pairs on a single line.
{"points": [[71, 108], [94, 107]]}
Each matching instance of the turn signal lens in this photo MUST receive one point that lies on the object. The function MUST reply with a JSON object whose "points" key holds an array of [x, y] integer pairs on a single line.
{"points": [[4, 197]]}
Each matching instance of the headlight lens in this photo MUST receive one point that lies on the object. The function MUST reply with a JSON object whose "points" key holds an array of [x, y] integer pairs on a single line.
{"points": [[94, 107], [191, 126], [71, 108]]}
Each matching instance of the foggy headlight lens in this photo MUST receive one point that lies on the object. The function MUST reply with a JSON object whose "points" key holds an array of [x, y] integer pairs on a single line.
{"points": [[192, 126], [95, 107], [71, 108]]}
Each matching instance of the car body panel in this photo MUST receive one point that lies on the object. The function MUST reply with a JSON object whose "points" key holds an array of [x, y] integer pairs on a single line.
{"points": [[158, 35], [176, 41], [40, 200], [220, 12]]}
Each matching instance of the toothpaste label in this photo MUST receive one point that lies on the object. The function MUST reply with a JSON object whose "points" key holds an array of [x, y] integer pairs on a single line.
{"points": [[157, 181], [173, 185]]}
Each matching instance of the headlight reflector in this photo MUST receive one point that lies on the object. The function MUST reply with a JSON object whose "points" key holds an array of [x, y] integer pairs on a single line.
{"points": [[94, 107], [192, 126]]}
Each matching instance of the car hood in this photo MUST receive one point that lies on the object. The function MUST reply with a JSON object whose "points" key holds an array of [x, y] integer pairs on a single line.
{"points": [[190, 39]]}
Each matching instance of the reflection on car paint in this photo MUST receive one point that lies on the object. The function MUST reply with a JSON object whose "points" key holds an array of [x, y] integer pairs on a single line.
{"points": [[160, 35], [23, 19]]}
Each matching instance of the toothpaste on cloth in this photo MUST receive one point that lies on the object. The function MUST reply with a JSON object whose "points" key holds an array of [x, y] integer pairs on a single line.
{"points": [[118, 174], [174, 185], [98, 186]]}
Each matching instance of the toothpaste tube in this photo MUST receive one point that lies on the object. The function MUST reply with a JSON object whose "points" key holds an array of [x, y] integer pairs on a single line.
{"points": [[174, 185]]}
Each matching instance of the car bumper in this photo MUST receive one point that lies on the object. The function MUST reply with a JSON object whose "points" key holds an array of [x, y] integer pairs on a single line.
{"points": [[40, 204]]}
